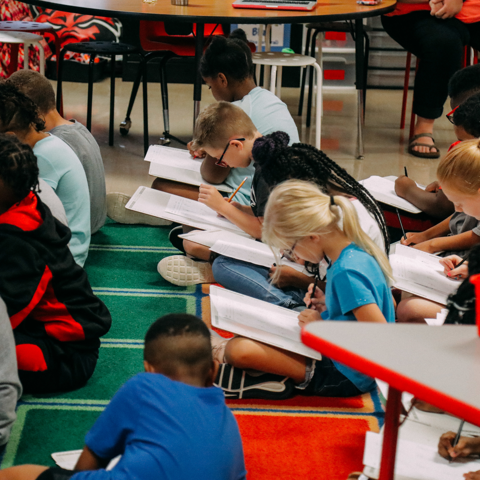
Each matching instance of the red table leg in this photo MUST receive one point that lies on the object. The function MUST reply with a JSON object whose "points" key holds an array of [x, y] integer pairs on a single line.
{"points": [[390, 434]]}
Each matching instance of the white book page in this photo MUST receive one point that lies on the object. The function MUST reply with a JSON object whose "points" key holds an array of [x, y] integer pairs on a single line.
{"points": [[208, 238], [417, 460], [161, 154], [383, 190], [259, 320], [68, 459]]}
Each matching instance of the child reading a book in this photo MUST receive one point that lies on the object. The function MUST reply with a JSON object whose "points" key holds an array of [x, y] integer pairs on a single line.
{"points": [[459, 175], [58, 164], [301, 219], [56, 319], [167, 423]]}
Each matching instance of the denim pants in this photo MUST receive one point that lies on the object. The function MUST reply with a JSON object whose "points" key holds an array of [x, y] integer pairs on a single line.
{"points": [[252, 280]]}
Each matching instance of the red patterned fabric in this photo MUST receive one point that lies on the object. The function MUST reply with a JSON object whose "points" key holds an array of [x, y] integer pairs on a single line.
{"points": [[18, 11]]}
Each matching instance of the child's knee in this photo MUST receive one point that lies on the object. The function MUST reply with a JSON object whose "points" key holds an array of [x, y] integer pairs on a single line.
{"points": [[410, 310], [239, 352], [196, 250]]}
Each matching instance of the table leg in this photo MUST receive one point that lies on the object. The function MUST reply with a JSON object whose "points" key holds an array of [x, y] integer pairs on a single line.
{"points": [[197, 88], [390, 434], [360, 83]]}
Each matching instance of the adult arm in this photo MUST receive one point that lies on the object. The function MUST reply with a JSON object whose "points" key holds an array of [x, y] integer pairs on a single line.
{"points": [[212, 173]]}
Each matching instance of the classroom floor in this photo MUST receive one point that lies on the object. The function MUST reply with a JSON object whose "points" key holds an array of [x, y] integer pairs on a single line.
{"points": [[385, 143]]}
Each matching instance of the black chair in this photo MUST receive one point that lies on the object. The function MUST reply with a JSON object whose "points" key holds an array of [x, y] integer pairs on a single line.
{"points": [[94, 49]]}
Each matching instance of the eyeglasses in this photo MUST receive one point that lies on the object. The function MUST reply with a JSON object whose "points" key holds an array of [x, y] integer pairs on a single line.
{"points": [[220, 162], [289, 253], [450, 115]]}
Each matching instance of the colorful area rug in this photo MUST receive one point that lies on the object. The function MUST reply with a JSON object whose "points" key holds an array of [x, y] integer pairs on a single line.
{"points": [[300, 438]]}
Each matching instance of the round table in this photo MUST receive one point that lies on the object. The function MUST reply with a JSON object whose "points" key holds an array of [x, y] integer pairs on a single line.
{"points": [[221, 11]]}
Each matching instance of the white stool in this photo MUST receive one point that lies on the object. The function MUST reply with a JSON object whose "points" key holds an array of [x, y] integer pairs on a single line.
{"points": [[278, 60], [27, 39]]}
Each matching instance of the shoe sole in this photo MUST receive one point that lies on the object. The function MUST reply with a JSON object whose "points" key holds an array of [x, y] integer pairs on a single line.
{"points": [[183, 271]]}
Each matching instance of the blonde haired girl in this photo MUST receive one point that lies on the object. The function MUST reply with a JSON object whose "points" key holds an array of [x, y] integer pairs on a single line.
{"points": [[314, 226]]}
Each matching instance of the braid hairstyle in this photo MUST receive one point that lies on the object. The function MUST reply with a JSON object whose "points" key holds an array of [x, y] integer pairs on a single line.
{"points": [[230, 56], [18, 166], [279, 162], [461, 304], [17, 112]]}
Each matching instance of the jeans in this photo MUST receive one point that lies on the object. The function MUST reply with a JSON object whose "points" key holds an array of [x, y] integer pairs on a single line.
{"points": [[252, 280], [439, 46]]}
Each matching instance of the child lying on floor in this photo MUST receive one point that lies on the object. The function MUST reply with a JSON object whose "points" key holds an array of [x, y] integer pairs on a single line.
{"points": [[168, 423]]}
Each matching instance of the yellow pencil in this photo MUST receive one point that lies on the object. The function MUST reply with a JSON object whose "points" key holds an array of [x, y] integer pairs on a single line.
{"points": [[235, 192]]}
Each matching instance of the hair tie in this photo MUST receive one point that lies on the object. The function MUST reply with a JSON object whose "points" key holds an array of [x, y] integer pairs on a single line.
{"points": [[332, 201]]}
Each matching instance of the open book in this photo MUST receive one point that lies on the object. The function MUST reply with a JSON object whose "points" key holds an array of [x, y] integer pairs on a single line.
{"points": [[68, 459], [421, 274], [178, 209], [258, 320], [383, 190], [178, 165], [240, 248]]}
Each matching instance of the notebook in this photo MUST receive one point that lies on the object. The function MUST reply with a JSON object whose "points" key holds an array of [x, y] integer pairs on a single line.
{"points": [[179, 166], [305, 5], [261, 321]]}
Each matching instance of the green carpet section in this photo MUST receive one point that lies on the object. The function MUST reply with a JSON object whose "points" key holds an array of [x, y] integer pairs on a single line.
{"points": [[122, 268]]}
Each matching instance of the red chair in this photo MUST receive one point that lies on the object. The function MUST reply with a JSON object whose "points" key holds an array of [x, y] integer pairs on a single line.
{"points": [[165, 41]]}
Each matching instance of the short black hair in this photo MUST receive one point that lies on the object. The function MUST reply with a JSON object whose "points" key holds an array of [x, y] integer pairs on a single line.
{"points": [[467, 115], [18, 166], [17, 112], [464, 84], [230, 56], [36, 87], [280, 162], [179, 341]]}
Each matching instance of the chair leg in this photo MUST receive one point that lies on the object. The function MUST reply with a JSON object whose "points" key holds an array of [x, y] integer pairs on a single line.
{"points": [[318, 124], [145, 109], [273, 76], [367, 55], [13, 65], [279, 82], [310, 80], [112, 101], [406, 82], [304, 74], [26, 55], [59, 80], [164, 92], [90, 91], [126, 124]]}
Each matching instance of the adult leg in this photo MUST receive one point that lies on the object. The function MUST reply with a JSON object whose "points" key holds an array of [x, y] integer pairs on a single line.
{"points": [[439, 45], [253, 281]]}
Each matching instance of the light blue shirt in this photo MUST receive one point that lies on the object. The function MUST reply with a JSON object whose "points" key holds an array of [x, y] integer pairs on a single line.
{"points": [[62, 170], [269, 114], [355, 280]]}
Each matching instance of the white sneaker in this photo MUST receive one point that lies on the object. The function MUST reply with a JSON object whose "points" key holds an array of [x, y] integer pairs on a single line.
{"points": [[182, 271], [116, 211]]}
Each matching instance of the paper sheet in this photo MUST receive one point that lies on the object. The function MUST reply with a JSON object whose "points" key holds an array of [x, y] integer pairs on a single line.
{"points": [[439, 320], [68, 459], [259, 320], [160, 154]]}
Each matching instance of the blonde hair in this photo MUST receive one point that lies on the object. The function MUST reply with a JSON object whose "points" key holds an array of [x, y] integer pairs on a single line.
{"points": [[461, 167], [218, 123], [297, 209]]}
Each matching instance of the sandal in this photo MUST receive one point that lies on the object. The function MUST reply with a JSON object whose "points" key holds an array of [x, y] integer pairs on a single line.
{"points": [[413, 144]]}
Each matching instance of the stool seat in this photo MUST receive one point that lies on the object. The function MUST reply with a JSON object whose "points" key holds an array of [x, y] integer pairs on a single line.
{"points": [[27, 39], [101, 48], [17, 26], [18, 37], [282, 59], [335, 27]]}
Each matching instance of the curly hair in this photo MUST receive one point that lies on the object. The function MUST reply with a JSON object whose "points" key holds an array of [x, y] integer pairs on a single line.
{"points": [[461, 304], [279, 162], [18, 166], [17, 112], [464, 84], [467, 115], [230, 56]]}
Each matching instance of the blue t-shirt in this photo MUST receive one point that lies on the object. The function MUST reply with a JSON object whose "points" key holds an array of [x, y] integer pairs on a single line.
{"points": [[166, 430], [60, 167], [269, 114], [353, 280]]}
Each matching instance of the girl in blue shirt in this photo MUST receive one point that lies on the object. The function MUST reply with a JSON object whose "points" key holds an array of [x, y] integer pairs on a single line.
{"points": [[299, 218]]}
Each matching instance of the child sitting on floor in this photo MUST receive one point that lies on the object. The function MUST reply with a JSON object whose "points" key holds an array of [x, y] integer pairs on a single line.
{"points": [[459, 175], [39, 89], [168, 423], [58, 164], [56, 319], [299, 218]]}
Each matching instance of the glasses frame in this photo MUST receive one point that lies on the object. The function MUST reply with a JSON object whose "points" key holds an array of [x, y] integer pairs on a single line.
{"points": [[450, 115], [220, 162]]}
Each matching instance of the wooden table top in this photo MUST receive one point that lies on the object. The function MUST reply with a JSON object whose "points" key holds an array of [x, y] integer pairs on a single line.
{"points": [[216, 11]]}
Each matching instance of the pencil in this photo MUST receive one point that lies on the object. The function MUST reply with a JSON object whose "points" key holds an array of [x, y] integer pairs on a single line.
{"points": [[238, 188], [457, 437], [313, 291], [461, 263], [401, 224], [405, 169]]}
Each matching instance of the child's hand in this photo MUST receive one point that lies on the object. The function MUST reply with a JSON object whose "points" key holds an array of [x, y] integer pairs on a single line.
{"points": [[403, 184], [433, 187], [466, 446], [196, 153], [449, 264], [318, 300], [287, 276], [413, 238], [472, 475], [308, 316], [212, 198]]}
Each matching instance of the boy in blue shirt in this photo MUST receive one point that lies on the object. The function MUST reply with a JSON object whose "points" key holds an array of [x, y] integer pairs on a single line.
{"points": [[167, 423]]}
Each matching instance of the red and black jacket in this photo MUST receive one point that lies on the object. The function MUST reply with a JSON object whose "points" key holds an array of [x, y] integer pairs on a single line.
{"points": [[45, 291]]}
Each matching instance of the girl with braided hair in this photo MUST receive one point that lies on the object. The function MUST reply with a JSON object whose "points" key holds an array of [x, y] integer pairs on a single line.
{"points": [[58, 164], [282, 285]]}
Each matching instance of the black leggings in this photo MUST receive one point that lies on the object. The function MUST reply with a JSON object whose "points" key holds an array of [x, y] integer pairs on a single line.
{"points": [[439, 44]]}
